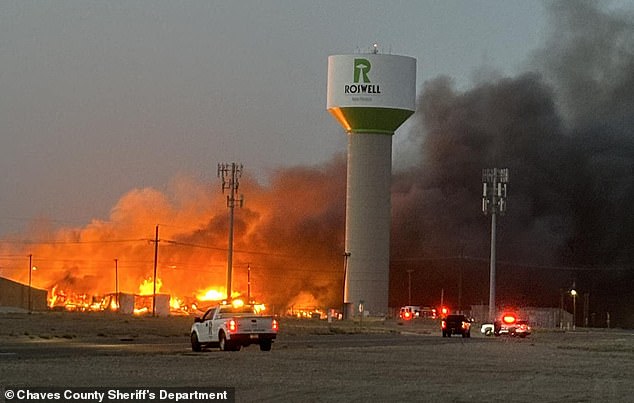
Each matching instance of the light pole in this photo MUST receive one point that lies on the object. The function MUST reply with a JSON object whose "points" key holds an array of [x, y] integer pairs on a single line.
{"points": [[30, 268], [573, 292], [494, 181]]}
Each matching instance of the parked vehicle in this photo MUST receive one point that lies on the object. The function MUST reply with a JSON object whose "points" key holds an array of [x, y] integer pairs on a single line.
{"points": [[507, 325], [409, 312], [231, 326], [456, 324]]}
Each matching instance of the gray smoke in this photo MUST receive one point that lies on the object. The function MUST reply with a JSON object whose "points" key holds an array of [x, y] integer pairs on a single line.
{"points": [[564, 132]]}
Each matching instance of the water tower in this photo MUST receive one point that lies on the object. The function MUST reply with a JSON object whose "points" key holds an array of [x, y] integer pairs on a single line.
{"points": [[370, 95]]}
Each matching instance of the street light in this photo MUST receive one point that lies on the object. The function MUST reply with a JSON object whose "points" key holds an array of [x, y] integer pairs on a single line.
{"points": [[573, 292]]}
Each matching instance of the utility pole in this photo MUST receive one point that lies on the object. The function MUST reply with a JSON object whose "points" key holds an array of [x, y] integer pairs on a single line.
{"points": [[231, 174], [460, 279], [156, 243], [249, 283], [586, 308], [494, 181], [561, 309], [409, 287], [344, 306], [460, 288], [116, 282]]}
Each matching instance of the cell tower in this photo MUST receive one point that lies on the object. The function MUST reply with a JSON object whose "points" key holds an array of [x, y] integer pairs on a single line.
{"points": [[370, 95], [494, 182]]}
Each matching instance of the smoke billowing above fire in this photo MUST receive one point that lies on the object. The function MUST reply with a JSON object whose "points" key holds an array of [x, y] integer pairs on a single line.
{"points": [[564, 130], [287, 233], [566, 136]]}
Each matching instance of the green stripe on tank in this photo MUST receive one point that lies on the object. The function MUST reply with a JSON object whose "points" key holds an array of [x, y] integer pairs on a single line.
{"points": [[370, 120]]}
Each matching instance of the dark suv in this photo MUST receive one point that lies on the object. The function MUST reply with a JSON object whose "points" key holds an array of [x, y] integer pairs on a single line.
{"points": [[456, 324]]}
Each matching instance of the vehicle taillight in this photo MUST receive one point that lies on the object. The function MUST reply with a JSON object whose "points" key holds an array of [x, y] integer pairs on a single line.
{"points": [[443, 324], [233, 326], [275, 326]]}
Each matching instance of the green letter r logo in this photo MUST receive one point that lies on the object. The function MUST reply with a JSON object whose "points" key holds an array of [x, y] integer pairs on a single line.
{"points": [[361, 70]]}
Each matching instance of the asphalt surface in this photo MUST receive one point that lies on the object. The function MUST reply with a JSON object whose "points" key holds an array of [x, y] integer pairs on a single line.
{"points": [[38, 348]]}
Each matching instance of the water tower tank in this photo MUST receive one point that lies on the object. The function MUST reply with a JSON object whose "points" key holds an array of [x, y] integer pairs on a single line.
{"points": [[370, 95]]}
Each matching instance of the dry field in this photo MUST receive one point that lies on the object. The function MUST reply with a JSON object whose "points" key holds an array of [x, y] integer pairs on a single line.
{"points": [[312, 361]]}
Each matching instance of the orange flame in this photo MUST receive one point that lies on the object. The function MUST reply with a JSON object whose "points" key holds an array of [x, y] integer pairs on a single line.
{"points": [[215, 294], [83, 267], [147, 286]]}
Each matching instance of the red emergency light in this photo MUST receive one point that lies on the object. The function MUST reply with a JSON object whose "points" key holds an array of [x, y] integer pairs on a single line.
{"points": [[509, 318]]}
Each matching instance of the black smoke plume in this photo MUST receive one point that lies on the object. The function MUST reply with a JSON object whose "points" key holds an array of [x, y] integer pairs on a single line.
{"points": [[565, 131]]}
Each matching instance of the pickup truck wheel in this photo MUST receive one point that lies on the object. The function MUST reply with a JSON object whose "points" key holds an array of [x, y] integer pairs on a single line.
{"points": [[488, 332], [223, 343], [265, 345], [196, 346]]}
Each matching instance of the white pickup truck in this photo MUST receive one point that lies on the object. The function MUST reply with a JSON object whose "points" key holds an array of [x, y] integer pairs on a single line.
{"points": [[232, 326]]}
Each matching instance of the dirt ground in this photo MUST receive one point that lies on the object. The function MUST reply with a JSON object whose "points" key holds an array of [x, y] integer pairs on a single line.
{"points": [[312, 361]]}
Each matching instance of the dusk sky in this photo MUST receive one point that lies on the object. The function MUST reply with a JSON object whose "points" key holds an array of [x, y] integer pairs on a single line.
{"points": [[102, 97]]}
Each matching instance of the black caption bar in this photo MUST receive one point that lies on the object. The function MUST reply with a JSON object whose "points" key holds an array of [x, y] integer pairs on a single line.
{"points": [[116, 395]]}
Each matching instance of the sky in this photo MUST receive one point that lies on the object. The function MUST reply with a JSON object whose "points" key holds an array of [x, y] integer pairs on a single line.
{"points": [[100, 98]]}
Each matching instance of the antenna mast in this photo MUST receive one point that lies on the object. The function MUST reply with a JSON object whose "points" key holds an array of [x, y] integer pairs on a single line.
{"points": [[494, 181]]}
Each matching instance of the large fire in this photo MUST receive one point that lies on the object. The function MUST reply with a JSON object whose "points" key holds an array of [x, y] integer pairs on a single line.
{"points": [[280, 250], [60, 299]]}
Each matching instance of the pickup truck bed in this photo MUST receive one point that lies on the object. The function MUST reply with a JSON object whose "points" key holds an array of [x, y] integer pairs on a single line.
{"points": [[230, 328]]}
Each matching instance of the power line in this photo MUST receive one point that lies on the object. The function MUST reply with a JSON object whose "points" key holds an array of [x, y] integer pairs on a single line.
{"points": [[32, 242], [514, 264]]}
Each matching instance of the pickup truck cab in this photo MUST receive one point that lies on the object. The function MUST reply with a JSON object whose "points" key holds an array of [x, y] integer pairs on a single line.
{"points": [[231, 326], [456, 324]]}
